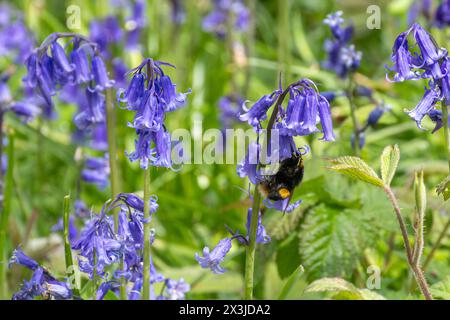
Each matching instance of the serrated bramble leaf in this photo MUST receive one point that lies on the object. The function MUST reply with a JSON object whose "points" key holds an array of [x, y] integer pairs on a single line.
{"points": [[389, 162], [332, 285], [356, 168], [344, 290]]}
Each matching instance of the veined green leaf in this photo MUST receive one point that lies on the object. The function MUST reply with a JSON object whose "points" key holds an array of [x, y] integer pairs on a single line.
{"points": [[356, 168], [389, 162]]}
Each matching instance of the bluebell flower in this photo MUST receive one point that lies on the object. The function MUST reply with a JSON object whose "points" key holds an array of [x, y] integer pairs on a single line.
{"points": [[282, 205], [436, 116], [101, 76], [442, 14], [105, 33], [151, 94], [105, 287], [176, 290], [425, 105], [73, 232], [80, 62], [430, 62], [342, 56], [42, 284], [99, 140], [49, 70], [98, 245], [261, 234], [16, 41], [96, 170], [218, 19], [20, 258], [247, 167], [230, 107], [258, 112], [362, 140], [376, 114], [212, 259]]}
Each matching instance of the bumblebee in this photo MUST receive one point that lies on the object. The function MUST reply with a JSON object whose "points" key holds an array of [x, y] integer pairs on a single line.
{"points": [[281, 185]]}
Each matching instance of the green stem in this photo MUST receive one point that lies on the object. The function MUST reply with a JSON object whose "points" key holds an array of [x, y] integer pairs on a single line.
{"points": [[356, 127], [4, 218], [446, 130], [415, 268], [112, 148], [147, 244], [447, 146], [250, 254], [70, 267], [283, 39], [114, 169]]}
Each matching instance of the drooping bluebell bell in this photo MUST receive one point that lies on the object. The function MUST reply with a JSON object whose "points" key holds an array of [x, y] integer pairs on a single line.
{"points": [[105, 32], [376, 114], [342, 56], [261, 234], [16, 40], [442, 14], [98, 245], [96, 171], [227, 12], [151, 94], [258, 111], [41, 284], [436, 116], [50, 69], [429, 61], [213, 259], [73, 232]]}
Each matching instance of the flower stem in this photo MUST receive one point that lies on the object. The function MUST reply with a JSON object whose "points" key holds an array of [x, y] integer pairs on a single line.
{"points": [[446, 130], [114, 169], [444, 107], [147, 244], [4, 218], [112, 149], [283, 39], [251, 248], [356, 128], [415, 267], [70, 267]]}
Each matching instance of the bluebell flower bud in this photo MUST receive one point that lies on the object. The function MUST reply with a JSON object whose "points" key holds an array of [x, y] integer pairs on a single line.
{"points": [[101, 77], [362, 140]]}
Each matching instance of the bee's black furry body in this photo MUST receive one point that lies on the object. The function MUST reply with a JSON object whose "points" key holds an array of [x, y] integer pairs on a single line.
{"points": [[288, 176]]}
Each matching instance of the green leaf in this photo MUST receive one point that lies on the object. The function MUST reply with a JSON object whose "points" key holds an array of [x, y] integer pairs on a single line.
{"points": [[389, 162], [291, 281], [288, 257], [333, 240], [441, 289], [356, 168], [333, 285], [344, 290], [444, 188]]}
